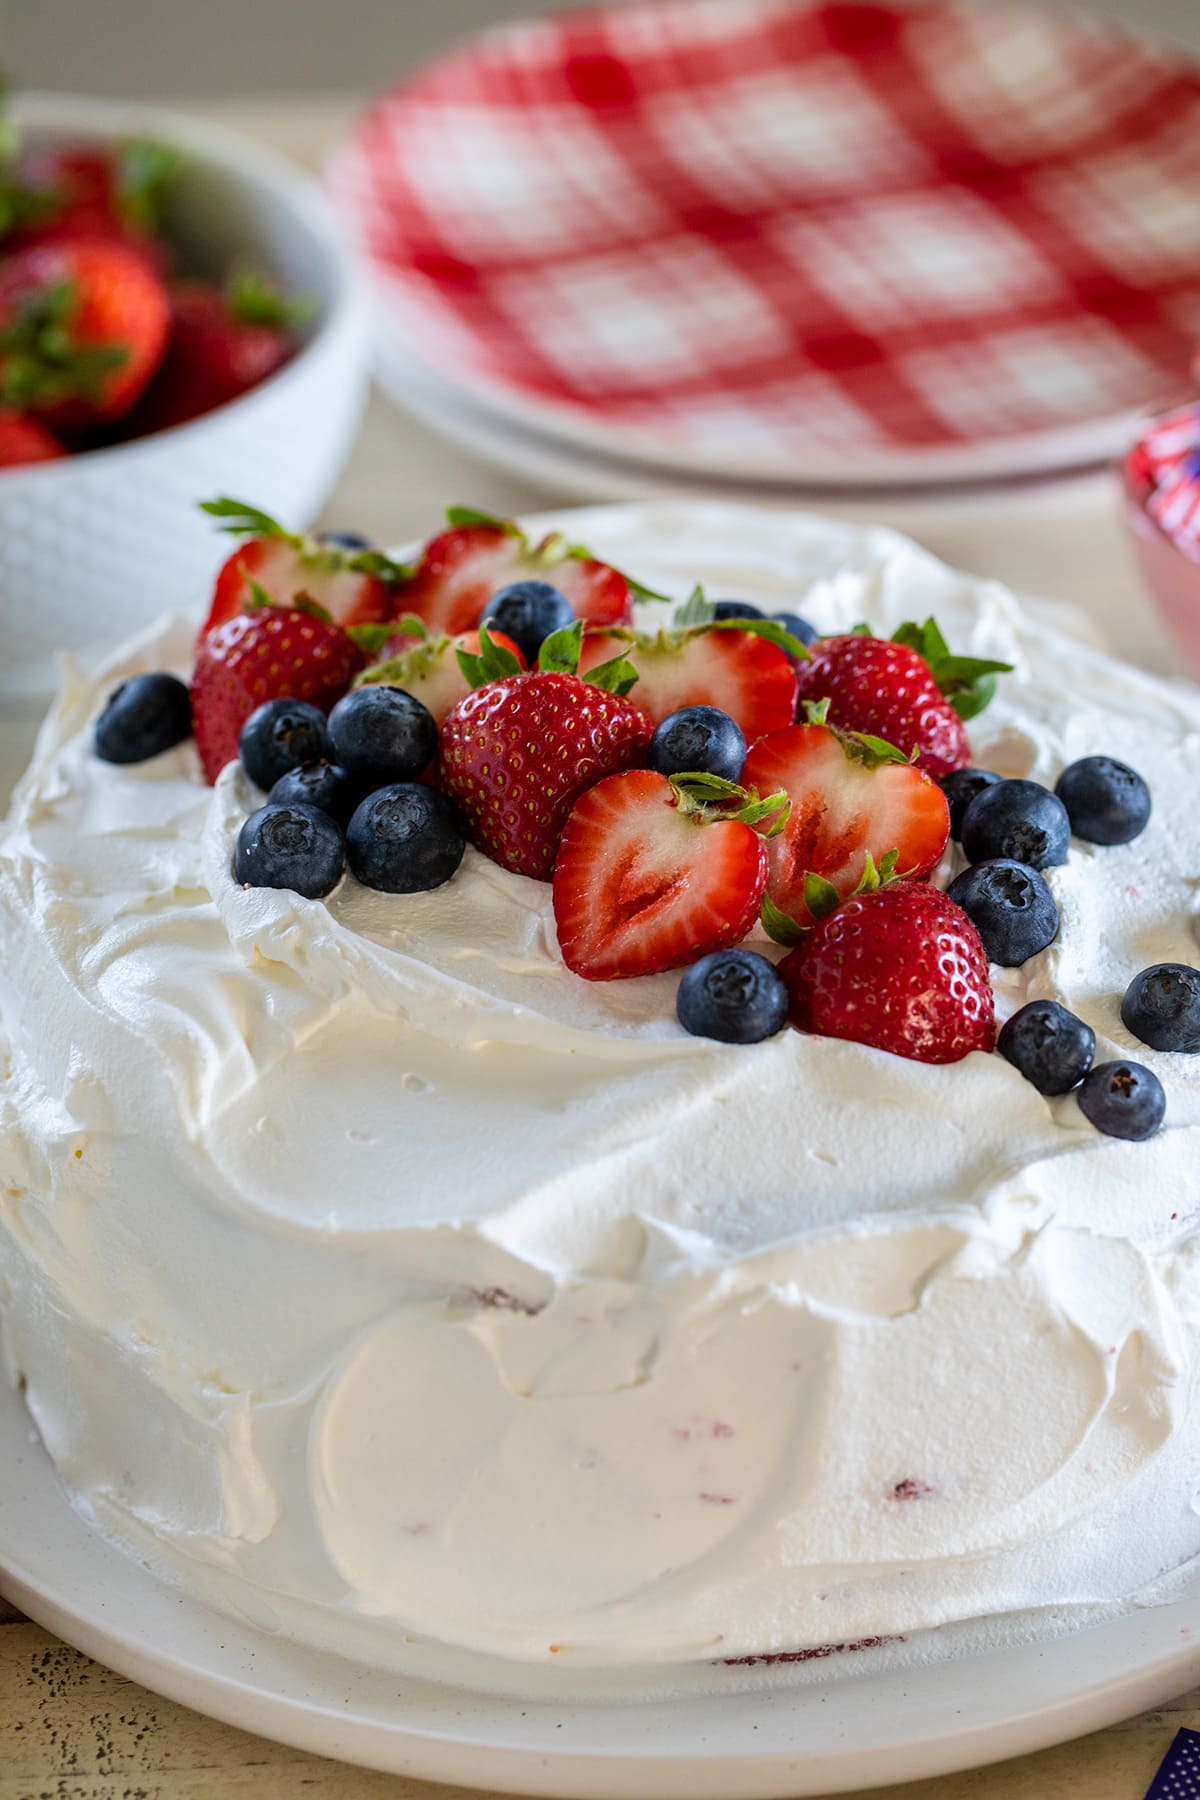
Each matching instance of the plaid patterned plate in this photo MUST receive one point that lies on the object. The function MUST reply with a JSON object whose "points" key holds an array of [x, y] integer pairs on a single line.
{"points": [[820, 240]]}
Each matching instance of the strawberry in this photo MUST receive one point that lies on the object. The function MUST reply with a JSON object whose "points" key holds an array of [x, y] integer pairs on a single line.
{"points": [[518, 752], [271, 653], [650, 875], [222, 343], [460, 569], [726, 665], [353, 587], [82, 328], [112, 192], [857, 804], [902, 969], [428, 667], [908, 690], [23, 440]]}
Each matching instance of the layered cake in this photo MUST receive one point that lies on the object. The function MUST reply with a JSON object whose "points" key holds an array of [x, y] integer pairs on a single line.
{"points": [[369, 1267]]}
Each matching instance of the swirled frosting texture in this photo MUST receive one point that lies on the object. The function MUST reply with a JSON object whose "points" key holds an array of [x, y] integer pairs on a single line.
{"points": [[359, 1257]]}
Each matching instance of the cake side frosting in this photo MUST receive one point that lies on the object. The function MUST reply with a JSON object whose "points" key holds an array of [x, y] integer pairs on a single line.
{"points": [[360, 1251]]}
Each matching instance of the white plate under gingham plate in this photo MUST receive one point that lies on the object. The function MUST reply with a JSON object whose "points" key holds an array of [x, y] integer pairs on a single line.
{"points": [[836, 242]]}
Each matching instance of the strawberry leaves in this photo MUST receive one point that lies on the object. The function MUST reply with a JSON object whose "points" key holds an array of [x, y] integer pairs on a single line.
{"points": [[968, 682], [240, 519], [700, 614]]}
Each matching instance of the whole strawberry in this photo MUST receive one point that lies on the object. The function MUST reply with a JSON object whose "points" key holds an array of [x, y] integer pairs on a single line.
{"points": [[271, 653], [518, 752], [908, 690], [23, 440], [223, 342], [82, 328], [901, 969]]}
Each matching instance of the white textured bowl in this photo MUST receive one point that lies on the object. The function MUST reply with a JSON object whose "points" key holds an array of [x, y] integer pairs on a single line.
{"points": [[92, 547]]}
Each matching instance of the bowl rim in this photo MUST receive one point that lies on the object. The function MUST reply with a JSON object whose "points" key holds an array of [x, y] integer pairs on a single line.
{"points": [[295, 190]]}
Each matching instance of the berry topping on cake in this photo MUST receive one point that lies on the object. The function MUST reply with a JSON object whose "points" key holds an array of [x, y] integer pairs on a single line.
{"points": [[1162, 1007], [269, 653], [960, 787], [908, 690], [901, 970], [1018, 820], [432, 668], [1123, 1100], [143, 717], [743, 667], [735, 996], [1011, 907], [654, 872], [796, 626], [528, 612], [736, 609], [320, 784], [1049, 1046], [297, 847], [349, 586], [1107, 802], [382, 734], [461, 570], [280, 735], [405, 839], [517, 753], [858, 806], [698, 738]]}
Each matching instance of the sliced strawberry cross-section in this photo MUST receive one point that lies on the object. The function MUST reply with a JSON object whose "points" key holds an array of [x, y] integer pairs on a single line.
{"points": [[460, 570], [857, 803], [730, 665], [429, 666], [353, 587], [656, 871]]}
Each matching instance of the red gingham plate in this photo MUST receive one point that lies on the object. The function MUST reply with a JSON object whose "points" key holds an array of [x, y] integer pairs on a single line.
{"points": [[820, 242]]}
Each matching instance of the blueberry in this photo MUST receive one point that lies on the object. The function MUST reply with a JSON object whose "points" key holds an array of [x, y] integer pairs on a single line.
{"points": [[404, 839], [960, 787], [1049, 1045], [345, 540], [382, 734], [319, 784], [1107, 802], [280, 735], [143, 717], [698, 737], [294, 847], [1123, 1100], [1020, 820], [799, 628], [734, 996], [737, 609], [528, 612], [1010, 907], [1162, 1007]]}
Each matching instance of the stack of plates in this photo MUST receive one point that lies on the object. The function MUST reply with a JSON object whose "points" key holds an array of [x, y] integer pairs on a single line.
{"points": [[782, 247]]}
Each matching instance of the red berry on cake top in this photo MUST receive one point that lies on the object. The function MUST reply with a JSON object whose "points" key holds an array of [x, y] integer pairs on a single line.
{"points": [[855, 801], [654, 872], [351, 586], [908, 690], [902, 970], [519, 751]]}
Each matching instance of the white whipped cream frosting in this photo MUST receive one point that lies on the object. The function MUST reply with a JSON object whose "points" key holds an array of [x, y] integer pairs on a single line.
{"points": [[366, 1265]]}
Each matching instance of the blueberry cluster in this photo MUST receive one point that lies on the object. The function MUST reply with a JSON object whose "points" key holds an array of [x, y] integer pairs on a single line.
{"points": [[344, 791], [1010, 831]]}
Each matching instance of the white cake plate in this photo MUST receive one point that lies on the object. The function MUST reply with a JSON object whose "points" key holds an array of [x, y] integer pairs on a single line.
{"points": [[860, 1730]]}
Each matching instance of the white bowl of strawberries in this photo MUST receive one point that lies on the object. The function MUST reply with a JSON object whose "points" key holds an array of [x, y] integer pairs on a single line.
{"points": [[178, 315]]}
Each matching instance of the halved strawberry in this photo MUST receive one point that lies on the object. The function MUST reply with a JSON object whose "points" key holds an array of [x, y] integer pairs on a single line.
{"points": [[730, 666], [853, 798], [354, 587], [429, 667], [460, 569], [650, 875], [271, 653]]}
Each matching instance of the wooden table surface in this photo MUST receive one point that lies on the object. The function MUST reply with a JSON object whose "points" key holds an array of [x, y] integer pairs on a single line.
{"points": [[71, 1730]]}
